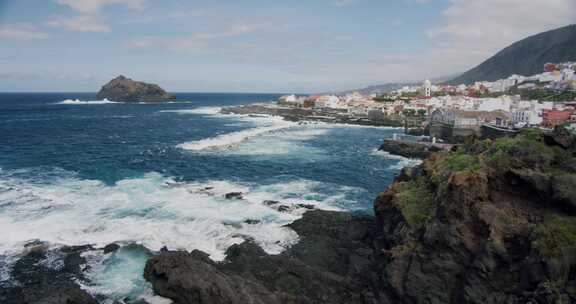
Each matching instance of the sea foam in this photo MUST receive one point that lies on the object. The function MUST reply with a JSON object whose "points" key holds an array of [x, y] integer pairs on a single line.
{"points": [[200, 110], [403, 162], [148, 212], [85, 102], [152, 210]]}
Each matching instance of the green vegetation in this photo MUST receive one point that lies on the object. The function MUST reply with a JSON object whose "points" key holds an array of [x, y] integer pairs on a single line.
{"points": [[548, 95], [385, 98], [555, 235], [410, 94], [416, 202], [460, 161]]}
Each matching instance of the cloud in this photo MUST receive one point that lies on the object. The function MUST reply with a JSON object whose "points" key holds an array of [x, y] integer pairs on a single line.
{"points": [[21, 32], [344, 3], [94, 6], [195, 42], [81, 23], [89, 18], [489, 25]]}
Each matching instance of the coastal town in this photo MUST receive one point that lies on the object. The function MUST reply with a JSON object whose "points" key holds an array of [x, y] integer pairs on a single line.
{"points": [[448, 113]]}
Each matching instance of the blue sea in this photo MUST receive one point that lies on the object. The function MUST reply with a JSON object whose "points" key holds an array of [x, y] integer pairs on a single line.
{"points": [[76, 171]]}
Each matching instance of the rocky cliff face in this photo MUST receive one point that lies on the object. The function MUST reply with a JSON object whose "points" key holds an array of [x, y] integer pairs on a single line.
{"points": [[493, 222], [127, 90]]}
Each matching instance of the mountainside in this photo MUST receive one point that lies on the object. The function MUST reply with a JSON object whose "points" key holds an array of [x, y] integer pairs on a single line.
{"points": [[127, 90], [526, 57]]}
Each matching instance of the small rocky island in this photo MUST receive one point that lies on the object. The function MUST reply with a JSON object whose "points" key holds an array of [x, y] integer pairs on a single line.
{"points": [[124, 89]]}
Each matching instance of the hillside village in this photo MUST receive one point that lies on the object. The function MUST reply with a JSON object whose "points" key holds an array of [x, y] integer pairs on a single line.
{"points": [[449, 112]]}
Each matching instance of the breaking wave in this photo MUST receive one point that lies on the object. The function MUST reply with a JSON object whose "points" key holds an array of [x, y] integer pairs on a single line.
{"points": [[226, 141], [403, 162], [152, 210], [85, 102], [200, 110]]}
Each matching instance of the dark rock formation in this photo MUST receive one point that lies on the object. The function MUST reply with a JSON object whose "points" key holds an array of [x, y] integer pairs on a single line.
{"points": [[503, 231], [493, 222], [526, 57], [408, 149], [111, 248], [124, 89], [39, 282], [233, 195], [330, 264]]}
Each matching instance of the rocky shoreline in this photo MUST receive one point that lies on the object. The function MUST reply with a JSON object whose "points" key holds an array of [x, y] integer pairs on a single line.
{"points": [[311, 115], [490, 222], [457, 229]]}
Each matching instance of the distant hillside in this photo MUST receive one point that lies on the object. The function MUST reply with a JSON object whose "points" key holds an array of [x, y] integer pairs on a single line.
{"points": [[389, 87], [525, 57], [381, 88]]}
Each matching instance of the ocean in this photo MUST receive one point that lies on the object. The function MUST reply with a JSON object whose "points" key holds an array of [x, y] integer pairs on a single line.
{"points": [[76, 171]]}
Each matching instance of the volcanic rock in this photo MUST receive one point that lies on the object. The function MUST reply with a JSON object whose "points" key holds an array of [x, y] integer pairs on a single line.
{"points": [[124, 89]]}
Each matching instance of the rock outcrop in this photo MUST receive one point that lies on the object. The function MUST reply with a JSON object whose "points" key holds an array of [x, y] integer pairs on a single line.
{"points": [[493, 222], [408, 149], [124, 89], [48, 276], [330, 264]]}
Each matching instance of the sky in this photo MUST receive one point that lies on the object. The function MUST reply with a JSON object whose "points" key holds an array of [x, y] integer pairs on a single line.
{"points": [[300, 46]]}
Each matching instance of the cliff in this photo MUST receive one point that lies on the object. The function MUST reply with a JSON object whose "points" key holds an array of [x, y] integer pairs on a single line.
{"points": [[526, 57], [124, 89], [493, 222]]}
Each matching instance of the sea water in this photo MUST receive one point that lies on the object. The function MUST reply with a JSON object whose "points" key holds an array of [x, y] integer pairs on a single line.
{"points": [[75, 170]]}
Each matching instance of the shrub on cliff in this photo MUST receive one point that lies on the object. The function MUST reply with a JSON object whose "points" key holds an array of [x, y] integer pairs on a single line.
{"points": [[555, 235], [416, 202]]}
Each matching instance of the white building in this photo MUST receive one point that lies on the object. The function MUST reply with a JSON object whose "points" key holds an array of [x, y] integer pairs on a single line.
{"points": [[327, 101], [427, 88], [503, 103]]}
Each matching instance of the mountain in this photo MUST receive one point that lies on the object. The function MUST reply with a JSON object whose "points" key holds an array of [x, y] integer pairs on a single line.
{"points": [[380, 88], [525, 57], [127, 90]]}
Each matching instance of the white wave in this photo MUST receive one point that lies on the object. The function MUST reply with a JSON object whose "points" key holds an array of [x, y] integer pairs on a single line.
{"points": [[154, 211], [288, 142], [403, 162], [85, 102], [200, 110], [229, 140]]}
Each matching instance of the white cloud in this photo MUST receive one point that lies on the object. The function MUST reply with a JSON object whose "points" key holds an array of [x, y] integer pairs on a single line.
{"points": [[21, 32], [486, 26], [81, 23], [94, 6], [195, 42], [89, 19], [344, 3]]}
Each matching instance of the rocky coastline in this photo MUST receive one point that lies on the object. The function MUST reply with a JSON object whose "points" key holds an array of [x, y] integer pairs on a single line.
{"points": [[489, 222], [412, 149], [493, 222], [311, 115]]}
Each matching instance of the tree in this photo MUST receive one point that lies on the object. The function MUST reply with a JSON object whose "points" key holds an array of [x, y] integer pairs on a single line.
{"points": [[409, 112]]}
